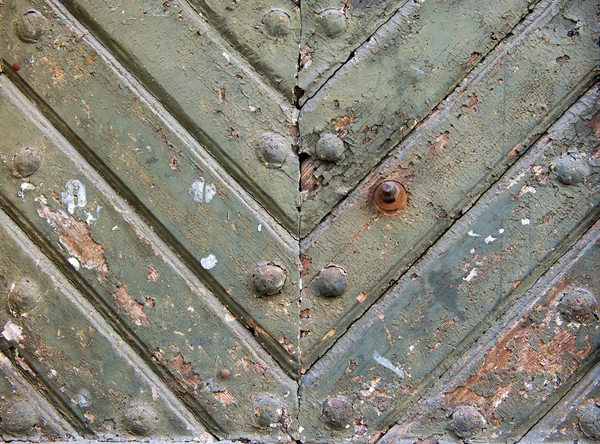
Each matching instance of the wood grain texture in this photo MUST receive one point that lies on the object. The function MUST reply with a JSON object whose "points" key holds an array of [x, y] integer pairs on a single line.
{"points": [[137, 283], [393, 82], [446, 165], [482, 265], [188, 199]]}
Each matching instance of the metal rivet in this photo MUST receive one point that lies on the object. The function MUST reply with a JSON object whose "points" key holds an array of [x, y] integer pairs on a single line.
{"points": [[329, 148], [467, 421], [22, 297], [19, 418], [273, 149], [331, 23], [589, 420], [140, 420], [331, 282], [277, 23], [16, 66], [225, 373], [390, 196], [25, 163], [571, 170], [30, 26], [267, 410], [577, 304], [337, 411], [268, 279]]}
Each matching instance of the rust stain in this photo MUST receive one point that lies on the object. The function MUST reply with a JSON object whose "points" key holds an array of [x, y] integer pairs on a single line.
{"points": [[173, 162], [594, 123], [132, 307], [186, 371], [77, 239], [153, 274], [514, 149], [247, 364], [361, 297], [305, 262], [289, 346], [305, 314], [472, 102], [473, 58], [343, 122], [225, 397], [329, 333], [309, 182], [440, 143]]}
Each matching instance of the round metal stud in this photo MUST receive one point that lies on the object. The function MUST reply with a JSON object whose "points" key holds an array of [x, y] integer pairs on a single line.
{"points": [[18, 419], [331, 282], [467, 421], [25, 163], [571, 170], [277, 23], [589, 420], [390, 196], [267, 410], [225, 373], [268, 279], [329, 148], [337, 411], [331, 23], [577, 304], [140, 420], [22, 297], [273, 149], [30, 26]]}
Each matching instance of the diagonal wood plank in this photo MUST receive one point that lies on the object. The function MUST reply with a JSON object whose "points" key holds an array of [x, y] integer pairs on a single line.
{"points": [[446, 164], [146, 155], [392, 83], [136, 282], [265, 32], [482, 265]]}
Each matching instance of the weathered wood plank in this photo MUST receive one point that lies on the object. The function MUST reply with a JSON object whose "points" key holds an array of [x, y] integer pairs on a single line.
{"points": [[139, 285], [446, 165], [265, 32], [185, 64], [523, 365], [485, 262], [50, 330], [193, 204], [331, 31], [392, 83], [25, 414]]}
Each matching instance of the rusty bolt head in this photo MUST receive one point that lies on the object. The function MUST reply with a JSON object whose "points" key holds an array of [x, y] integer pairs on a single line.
{"points": [[571, 170], [18, 419], [467, 421], [390, 196], [589, 420], [273, 149], [276, 23], [577, 304], [16, 66], [30, 26], [22, 297], [25, 163], [140, 420], [331, 22], [329, 148], [268, 279], [331, 282], [267, 410], [337, 411], [225, 373]]}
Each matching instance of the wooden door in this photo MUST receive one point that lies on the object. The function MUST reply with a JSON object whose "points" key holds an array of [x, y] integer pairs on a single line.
{"points": [[300, 221]]}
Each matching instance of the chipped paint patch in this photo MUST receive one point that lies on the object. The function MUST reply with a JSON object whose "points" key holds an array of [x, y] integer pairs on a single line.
{"points": [[153, 274], [225, 397], [208, 262], [472, 275], [13, 332], [74, 196], [525, 221], [387, 364], [489, 239], [132, 307], [473, 234], [203, 193]]}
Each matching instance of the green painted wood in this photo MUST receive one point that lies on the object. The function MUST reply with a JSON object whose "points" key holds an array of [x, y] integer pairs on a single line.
{"points": [[393, 82], [331, 31], [145, 154], [523, 365], [264, 32], [206, 85], [465, 147], [483, 264], [136, 282], [58, 339], [25, 414]]}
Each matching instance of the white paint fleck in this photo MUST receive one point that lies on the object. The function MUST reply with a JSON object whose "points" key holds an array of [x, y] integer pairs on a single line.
{"points": [[52, 374], [75, 195], [472, 251], [388, 364], [501, 230], [116, 228], [527, 189], [155, 394], [472, 274], [489, 239], [473, 234], [300, 429], [525, 221], [259, 228], [515, 180], [226, 56], [12, 332], [411, 348], [203, 193], [74, 262], [208, 262]]}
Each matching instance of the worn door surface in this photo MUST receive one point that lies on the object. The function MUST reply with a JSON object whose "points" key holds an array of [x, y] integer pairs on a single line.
{"points": [[304, 221]]}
